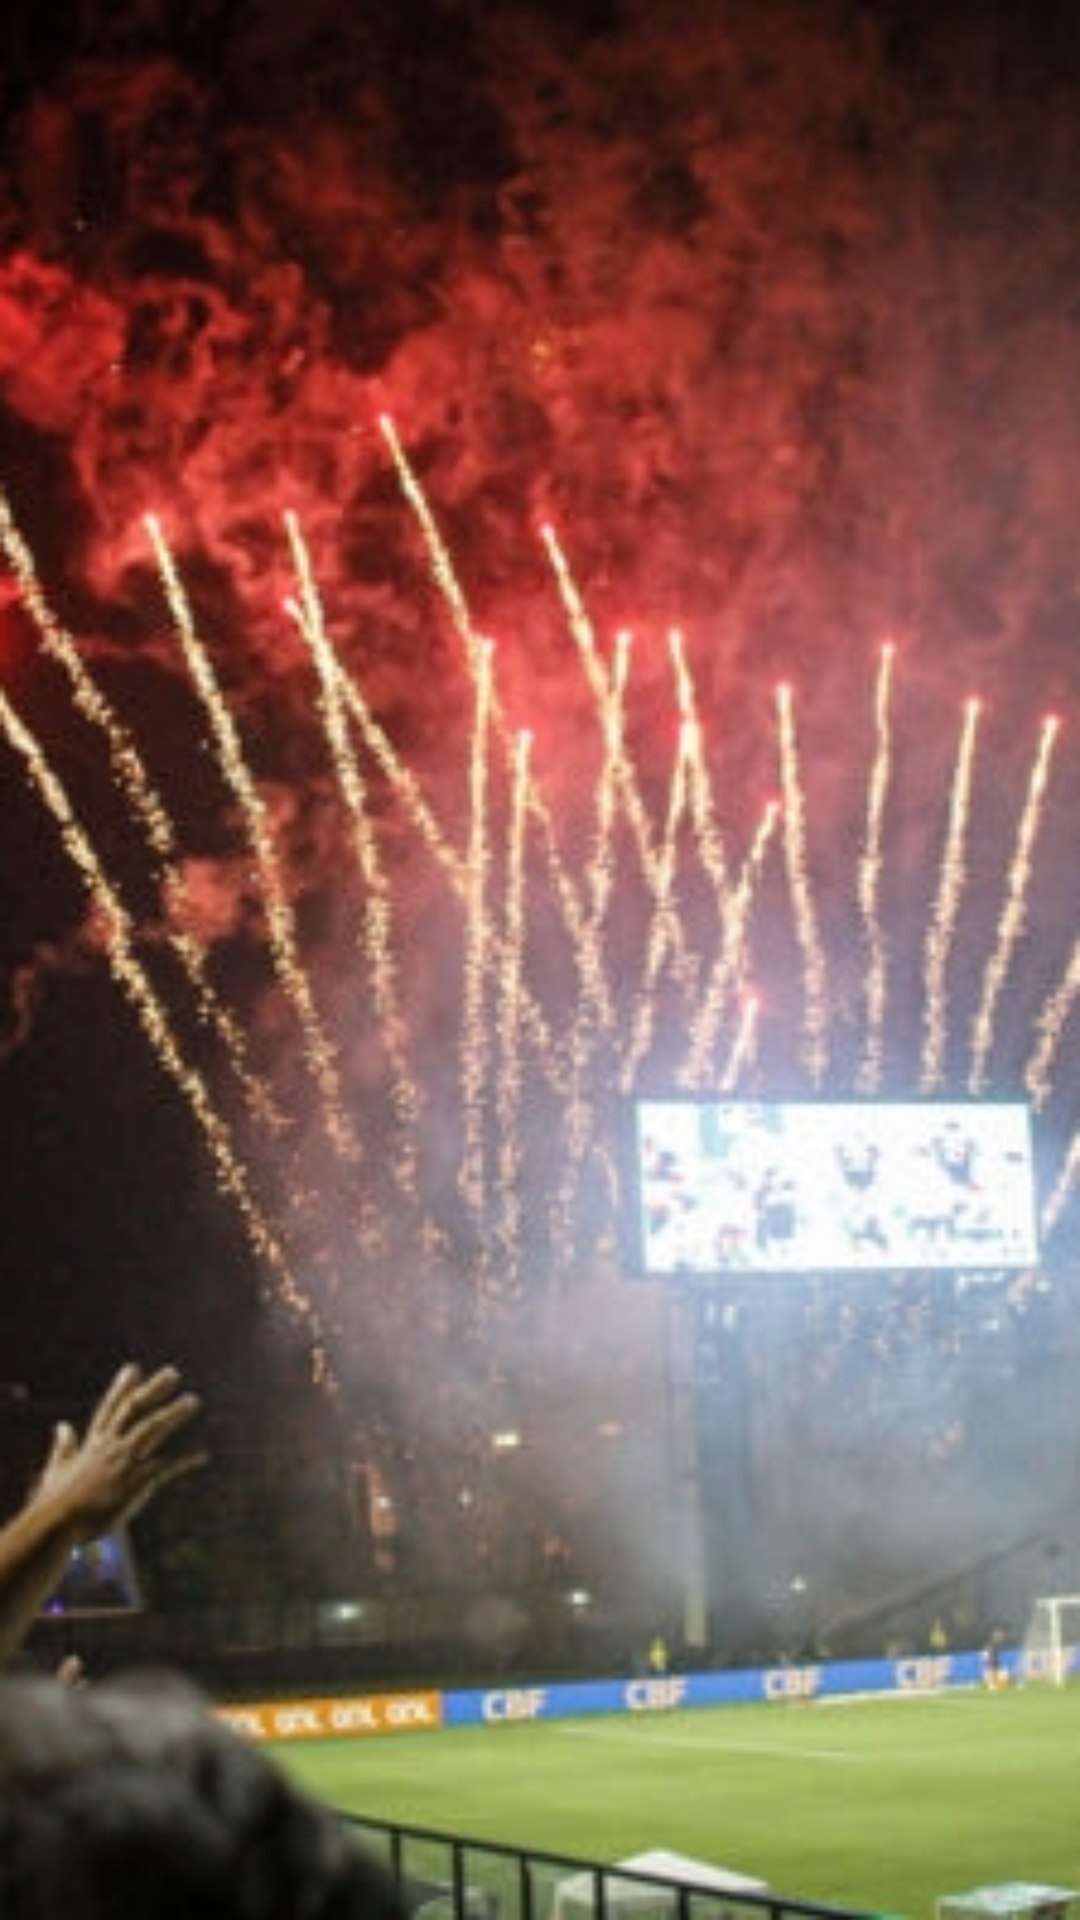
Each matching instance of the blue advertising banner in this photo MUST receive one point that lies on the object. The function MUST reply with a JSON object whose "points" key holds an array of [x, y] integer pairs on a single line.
{"points": [[664, 1693]]}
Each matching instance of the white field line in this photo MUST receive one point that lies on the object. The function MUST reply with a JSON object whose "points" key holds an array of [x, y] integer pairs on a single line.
{"points": [[708, 1748], [904, 1693]]}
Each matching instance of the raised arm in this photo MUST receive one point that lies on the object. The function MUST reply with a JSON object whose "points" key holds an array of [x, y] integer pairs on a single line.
{"points": [[88, 1487]]}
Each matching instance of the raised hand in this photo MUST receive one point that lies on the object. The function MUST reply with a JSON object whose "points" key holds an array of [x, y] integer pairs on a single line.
{"points": [[91, 1485], [121, 1463]]}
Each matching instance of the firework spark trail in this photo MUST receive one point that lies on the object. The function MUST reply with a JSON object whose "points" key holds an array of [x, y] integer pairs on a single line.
{"points": [[591, 1017], [1014, 911], [438, 553], [599, 683], [1063, 1187], [660, 936], [588, 957], [877, 964], [408, 789], [600, 879], [600, 872], [150, 813], [710, 843], [579, 1118], [595, 1011], [404, 1095], [815, 984], [942, 928], [587, 951], [473, 1055], [608, 1168], [744, 1045], [135, 984], [684, 685], [730, 963], [318, 1052], [508, 1096], [1050, 1025], [404, 781]]}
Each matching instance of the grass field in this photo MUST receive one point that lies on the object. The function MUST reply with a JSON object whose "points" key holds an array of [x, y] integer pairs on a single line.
{"points": [[879, 1805]]}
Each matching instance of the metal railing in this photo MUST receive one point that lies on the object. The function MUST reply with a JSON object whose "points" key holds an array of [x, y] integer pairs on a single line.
{"points": [[443, 1876]]}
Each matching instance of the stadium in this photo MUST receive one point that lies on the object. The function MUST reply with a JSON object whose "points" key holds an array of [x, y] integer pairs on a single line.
{"points": [[539, 927]]}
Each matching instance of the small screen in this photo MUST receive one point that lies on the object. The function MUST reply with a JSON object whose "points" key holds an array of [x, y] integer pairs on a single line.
{"points": [[755, 1187], [99, 1578]]}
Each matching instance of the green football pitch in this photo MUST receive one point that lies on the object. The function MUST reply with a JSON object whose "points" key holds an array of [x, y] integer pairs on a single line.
{"points": [[878, 1805]]}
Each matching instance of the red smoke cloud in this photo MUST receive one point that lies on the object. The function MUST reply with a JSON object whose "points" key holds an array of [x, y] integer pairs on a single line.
{"points": [[770, 313], [767, 319]]}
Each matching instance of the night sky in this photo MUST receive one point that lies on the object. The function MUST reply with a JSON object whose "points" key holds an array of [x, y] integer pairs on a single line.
{"points": [[773, 310]]}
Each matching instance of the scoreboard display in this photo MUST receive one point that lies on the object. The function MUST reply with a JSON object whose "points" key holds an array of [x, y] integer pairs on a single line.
{"points": [[739, 1186]]}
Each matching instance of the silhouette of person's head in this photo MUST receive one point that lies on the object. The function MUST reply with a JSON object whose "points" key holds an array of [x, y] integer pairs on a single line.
{"points": [[129, 1800]]}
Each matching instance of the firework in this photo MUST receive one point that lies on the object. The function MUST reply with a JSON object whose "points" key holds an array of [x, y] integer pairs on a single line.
{"points": [[600, 879], [135, 985], [578, 1130], [1011, 923], [877, 960], [377, 899], [508, 1098], [730, 962], [815, 993], [580, 924], [442, 565], [710, 845], [743, 1046], [625, 778], [661, 937], [403, 780], [408, 789], [473, 1060], [596, 1011], [582, 629], [578, 1119], [684, 685], [601, 1027], [1062, 1188], [942, 928], [150, 813], [600, 875], [1050, 1026], [446, 579], [318, 1052]]}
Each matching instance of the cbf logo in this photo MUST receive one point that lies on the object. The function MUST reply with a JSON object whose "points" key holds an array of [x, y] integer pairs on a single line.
{"points": [[655, 1696], [518, 1703], [923, 1675], [792, 1683]]}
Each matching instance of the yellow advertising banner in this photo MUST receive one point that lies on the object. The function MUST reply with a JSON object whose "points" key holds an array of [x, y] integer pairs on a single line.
{"points": [[326, 1719]]}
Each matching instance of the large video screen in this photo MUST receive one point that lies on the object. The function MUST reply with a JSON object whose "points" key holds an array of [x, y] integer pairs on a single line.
{"points": [[740, 1186]]}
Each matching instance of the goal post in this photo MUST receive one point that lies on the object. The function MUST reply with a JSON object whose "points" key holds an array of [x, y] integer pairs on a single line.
{"points": [[1052, 1638]]}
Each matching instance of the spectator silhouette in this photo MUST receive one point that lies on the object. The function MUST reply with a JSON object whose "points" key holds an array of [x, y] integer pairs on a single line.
{"points": [[127, 1801]]}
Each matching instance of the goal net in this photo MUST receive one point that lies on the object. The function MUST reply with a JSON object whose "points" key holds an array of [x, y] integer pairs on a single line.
{"points": [[1052, 1639]]}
